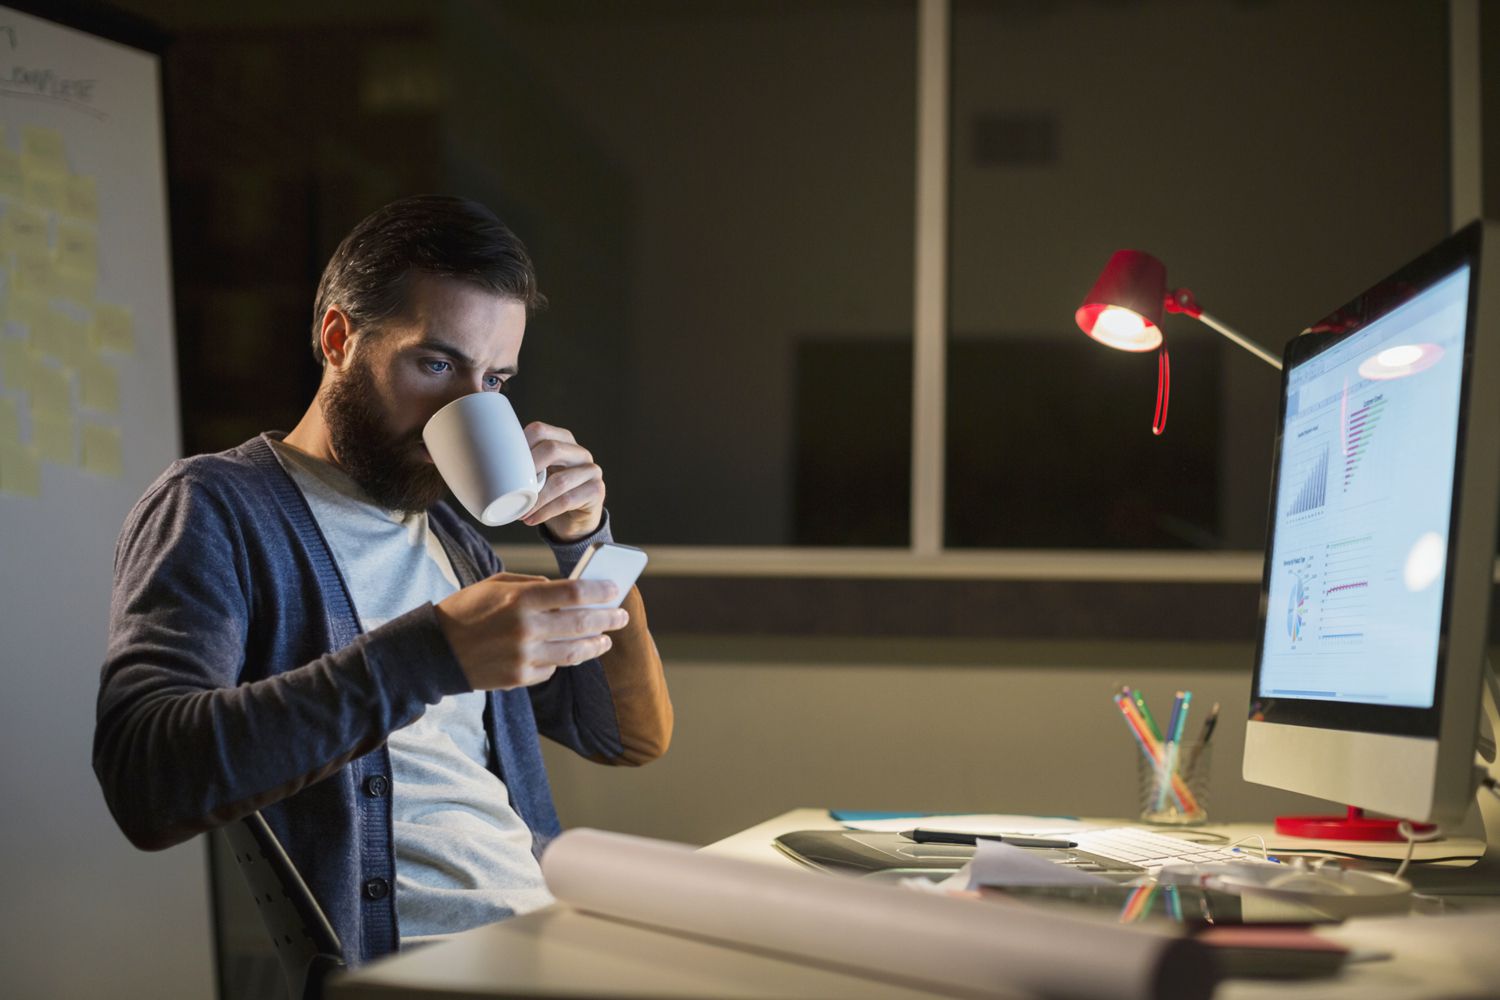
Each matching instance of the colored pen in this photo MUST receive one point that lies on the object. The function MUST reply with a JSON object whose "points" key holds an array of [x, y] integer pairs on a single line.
{"points": [[1204, 735], [1140, 703], [942, 837], [1153, 751]]}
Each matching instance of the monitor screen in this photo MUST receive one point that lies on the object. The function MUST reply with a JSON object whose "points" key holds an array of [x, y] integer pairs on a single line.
{"points": [[1360, 519]]}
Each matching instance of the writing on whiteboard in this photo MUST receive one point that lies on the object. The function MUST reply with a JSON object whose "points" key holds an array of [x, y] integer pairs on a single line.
{"points": [[42, 83]]}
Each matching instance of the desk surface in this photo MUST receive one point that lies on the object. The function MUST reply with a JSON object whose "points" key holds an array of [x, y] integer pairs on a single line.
{"points": [[561, 953]]}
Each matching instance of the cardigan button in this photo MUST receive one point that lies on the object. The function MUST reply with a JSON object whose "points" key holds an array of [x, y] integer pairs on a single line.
{"points": [[377, 785], [377, 888]]}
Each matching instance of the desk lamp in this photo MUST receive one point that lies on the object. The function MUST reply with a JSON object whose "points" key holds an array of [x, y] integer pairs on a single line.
{"points": [[1124, 309]]}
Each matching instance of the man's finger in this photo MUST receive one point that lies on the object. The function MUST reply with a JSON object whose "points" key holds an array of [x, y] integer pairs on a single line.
{"points": [[576, 623], [517, 578], [571, 652], [569, 594]]}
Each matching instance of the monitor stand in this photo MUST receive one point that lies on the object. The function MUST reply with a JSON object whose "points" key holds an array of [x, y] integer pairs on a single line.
{"points": [[1483, 876]]}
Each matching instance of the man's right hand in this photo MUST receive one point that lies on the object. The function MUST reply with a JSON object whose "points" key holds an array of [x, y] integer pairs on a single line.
{"points": [[512, 631]]}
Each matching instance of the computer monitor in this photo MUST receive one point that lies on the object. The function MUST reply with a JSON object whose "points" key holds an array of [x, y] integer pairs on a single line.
{"points": [[1380, 551]]}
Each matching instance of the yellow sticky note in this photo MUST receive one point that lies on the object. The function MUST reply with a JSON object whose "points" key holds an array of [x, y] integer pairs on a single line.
{"points": [[12, 181], [44, 189], [51, 391], [55, 437], [63, 337], [82, 199], [25, 230], [114, 329], [44, 146], [33, 275], [16, 364], [77, 249], [74, 287], [99, 386], [10, 422], [101, 450], [20, 470], [27, 309]]}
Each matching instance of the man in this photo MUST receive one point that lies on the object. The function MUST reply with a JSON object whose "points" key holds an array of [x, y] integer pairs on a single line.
{"points": [[299, 625]]}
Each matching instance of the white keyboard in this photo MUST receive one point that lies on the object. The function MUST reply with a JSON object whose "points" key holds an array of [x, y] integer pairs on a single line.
{"points": [[1153, 850]]}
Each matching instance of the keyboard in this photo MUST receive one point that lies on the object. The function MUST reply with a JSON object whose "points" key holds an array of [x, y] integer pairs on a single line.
{"points": [[1153, 850]]}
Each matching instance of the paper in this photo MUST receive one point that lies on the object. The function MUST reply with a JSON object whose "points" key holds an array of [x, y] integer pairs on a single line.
{"points": [[10, 422], [25, 230], [33, 275], [99, 386], [26, 309], [879, 930], [51, 394], [12, 180], [20, 470], [44, 189], [987, 823], [101, 450], [77, 249], [113, 329], [998, 865], [61, 336], [82, 199], [44, 147], [16, 364], [54, 437]]}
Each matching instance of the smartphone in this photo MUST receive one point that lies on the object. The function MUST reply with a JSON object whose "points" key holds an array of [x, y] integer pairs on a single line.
{"points": [[622, 564]]}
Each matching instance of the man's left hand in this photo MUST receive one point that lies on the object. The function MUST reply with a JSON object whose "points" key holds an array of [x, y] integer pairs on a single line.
{"points": [[571, 503]]}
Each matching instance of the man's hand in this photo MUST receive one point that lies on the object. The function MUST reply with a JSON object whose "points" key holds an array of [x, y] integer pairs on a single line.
{"points": [[512, 631], [571, 503]]}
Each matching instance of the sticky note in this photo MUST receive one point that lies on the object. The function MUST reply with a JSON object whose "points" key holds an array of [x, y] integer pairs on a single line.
{"points": [[44, 146], [51, 391], [16, 364], [12, 181], [26, 309], [99, 386], [63, 337], [55, 437], [20, 470], [44, 189], [114, 329], [74, 287], [25, 230], [33, 275], [10, 422], [82, 199], [77, 249], [101, 450]]}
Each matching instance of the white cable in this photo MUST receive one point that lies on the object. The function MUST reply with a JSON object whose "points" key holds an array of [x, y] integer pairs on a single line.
{"points": [[1265, 854], [1412, 839]]}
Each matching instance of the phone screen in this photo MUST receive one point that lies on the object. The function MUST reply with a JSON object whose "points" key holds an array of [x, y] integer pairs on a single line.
{"points": [[621, 564]]}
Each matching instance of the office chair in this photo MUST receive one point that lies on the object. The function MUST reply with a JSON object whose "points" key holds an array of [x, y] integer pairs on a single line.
{"points": [[305, 941]]}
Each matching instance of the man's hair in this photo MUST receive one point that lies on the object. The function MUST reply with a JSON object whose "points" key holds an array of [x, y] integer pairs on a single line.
{"points": [[369, 274]]}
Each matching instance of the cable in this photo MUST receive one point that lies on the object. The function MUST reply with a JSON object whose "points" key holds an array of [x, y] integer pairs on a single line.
{"points": [[1412, 839], [1313, 852]]}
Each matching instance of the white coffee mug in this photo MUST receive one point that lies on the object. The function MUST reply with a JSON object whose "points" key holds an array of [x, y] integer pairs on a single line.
{"points": [[480, 450]]}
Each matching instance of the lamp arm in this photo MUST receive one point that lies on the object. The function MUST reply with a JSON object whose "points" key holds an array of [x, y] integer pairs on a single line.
{"points": [[1243, 341]]}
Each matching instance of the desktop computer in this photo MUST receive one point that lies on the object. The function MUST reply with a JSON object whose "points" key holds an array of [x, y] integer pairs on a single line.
{"points": [[1370, 676]]}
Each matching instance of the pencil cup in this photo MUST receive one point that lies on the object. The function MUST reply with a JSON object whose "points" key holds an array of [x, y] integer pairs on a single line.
{"points": [[1174, 785]]}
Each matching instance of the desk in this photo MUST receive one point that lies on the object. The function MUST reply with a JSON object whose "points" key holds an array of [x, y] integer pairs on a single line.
{"points": [[562, 953]]}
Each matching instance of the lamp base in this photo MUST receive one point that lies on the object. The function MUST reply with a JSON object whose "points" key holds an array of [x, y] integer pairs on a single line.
{"points": [[1353, 825]]}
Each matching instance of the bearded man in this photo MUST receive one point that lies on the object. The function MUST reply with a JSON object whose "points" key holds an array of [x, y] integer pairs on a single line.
{"points": [[301, 626]]}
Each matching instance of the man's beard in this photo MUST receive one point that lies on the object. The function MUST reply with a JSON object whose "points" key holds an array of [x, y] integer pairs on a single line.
{"points": [[388, 469]]}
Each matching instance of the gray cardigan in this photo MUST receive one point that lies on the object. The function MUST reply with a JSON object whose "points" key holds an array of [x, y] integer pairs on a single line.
{"points": [[237, 678]]}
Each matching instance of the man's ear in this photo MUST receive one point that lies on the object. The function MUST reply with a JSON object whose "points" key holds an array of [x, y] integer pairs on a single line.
{"points": [[335, 336]]}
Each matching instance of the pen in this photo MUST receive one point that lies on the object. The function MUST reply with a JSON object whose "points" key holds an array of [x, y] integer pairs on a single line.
{"points": [[1140, 703], [1204, 735], [942, 837]]}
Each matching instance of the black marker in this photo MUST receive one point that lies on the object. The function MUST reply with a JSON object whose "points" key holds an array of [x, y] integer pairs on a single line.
{"points": [[940, 837]]}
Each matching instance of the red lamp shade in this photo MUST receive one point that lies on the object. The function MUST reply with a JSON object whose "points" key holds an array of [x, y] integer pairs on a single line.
{"points": [[1124, 308]]}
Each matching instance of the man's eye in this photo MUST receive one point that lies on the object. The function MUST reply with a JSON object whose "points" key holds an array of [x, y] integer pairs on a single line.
{"points": [[436, 366], [494, 383]]}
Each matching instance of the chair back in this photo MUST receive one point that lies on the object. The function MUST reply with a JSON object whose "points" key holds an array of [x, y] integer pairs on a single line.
{"points": [[305, 941]]}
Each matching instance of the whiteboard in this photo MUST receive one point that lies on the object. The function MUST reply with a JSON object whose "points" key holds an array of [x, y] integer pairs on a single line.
{"points": [[88, 419]]}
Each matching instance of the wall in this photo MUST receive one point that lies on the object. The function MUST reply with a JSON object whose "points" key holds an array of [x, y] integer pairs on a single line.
{"points": [[768, 725]]}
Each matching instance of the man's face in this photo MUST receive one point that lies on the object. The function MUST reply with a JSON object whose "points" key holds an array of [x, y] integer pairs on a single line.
{"points": [[455, 339]]}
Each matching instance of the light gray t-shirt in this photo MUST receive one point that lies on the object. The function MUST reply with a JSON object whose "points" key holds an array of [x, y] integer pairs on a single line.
{"points": [[463, 855]]}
